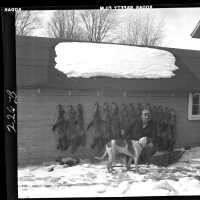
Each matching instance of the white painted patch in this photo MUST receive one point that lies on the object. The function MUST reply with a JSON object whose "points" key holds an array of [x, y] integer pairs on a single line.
{"points": [[81, 59]]}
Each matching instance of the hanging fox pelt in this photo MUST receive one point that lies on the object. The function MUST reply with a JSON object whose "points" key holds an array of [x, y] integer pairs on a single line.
{"points": [[96, 123], [80, 126], [124, 119], [106, 117], [115, 121], [60, 128], [72, 130]]}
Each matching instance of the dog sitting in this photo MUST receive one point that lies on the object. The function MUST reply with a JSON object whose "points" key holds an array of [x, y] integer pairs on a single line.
{"points": [[130, 148]]}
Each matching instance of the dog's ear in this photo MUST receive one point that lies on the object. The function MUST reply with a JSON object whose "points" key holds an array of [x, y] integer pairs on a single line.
{"points": [[143, 140]]}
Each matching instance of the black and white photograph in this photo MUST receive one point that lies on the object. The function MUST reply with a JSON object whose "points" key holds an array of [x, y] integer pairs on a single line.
{"points": [[108, 102]]}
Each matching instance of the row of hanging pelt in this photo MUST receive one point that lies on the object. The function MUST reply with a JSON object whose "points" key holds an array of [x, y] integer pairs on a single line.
{"points": [[107, 123]]}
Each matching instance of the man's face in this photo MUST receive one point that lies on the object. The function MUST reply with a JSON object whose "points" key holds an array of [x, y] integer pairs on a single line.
{"points": [[145, 116]]}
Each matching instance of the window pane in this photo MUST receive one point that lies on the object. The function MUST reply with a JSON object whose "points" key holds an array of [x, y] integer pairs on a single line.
{"points": [[196, 109], [196, 99]]}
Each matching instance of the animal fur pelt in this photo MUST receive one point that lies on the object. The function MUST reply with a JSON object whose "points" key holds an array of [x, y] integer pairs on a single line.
{"points": [[81, 137], [97, 124], [115, 122], [106, 117], [60, 128], [72, 130], [124, 119]]}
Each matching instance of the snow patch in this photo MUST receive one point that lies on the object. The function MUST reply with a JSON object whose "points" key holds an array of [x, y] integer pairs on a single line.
{"points": [[93, 180], [81, 59]]}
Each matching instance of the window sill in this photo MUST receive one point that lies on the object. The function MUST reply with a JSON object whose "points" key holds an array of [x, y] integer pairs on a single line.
{"points": [[194, 117]]}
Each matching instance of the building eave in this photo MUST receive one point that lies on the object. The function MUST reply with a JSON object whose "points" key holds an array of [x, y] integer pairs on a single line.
{"points": [[196, 31]]}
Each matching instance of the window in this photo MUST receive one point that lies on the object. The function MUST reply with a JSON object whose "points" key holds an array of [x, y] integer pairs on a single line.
{"points": [[194, 106]]}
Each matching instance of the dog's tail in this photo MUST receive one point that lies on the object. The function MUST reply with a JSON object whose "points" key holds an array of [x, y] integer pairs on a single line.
{"points": [[103, 156]]}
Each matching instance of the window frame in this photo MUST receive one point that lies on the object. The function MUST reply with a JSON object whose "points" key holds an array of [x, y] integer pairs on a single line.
{"points": [[190, 104]]}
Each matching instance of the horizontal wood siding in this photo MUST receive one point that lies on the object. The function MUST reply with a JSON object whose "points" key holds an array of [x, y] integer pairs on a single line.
{"points": [[37, 113], [31, 75]]}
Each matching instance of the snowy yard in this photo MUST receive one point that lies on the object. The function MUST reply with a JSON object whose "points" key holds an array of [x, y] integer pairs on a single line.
{"points": [[93, 180]]}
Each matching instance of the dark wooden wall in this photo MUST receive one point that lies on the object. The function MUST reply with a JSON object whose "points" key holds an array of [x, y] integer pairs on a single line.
{"points": [[35, 67], [37, 113]]}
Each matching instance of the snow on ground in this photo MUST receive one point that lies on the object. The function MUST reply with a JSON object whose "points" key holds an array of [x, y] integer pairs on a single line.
{"points": [[81, 59], [92, 180]]}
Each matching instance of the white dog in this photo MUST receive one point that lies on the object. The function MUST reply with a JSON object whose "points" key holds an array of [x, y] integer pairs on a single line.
{"points": [[131, 148]]}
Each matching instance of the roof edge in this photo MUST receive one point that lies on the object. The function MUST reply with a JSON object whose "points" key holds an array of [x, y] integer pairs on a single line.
{"points": [[195, 29], [83, 41]]}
